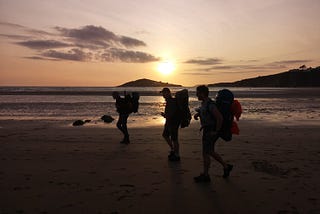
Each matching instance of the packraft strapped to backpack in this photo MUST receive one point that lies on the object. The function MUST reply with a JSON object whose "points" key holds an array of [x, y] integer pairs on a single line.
{"points": [[183, 106], [228, 107]]}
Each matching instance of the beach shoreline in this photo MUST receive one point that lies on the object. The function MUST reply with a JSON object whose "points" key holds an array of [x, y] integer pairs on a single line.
{"points": [[48, 168]]}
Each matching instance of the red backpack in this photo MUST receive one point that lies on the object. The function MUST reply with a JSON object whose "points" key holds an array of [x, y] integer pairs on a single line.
{"points": [[236, 111]]}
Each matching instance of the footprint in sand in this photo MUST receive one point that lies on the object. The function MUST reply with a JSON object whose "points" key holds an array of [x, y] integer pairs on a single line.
{"points": [[147, 194], [158, 183], [313, 200], [128, 190], [127, 185], [271, 169]]}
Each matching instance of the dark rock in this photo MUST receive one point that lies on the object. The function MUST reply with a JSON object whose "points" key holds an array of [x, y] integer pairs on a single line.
{"points": [[80, 122], [107, 118]]}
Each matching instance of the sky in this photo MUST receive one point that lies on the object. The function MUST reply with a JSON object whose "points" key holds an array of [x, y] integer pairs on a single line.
{"points": [[189, 42]]}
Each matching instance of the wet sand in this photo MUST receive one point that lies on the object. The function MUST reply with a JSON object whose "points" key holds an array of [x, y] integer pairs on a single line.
{"points": [[46, 167]]}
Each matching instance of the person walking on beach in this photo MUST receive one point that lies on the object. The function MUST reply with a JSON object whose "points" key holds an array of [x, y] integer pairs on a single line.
{"points": [[122, 109], [211, 122], [171, 126]]}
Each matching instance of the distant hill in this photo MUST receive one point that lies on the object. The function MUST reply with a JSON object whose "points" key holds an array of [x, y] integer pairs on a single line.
{"points": [[148, 83], [307, 77]]}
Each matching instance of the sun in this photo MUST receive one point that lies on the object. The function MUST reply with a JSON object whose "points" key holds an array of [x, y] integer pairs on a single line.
{"points": [[166, 67]]}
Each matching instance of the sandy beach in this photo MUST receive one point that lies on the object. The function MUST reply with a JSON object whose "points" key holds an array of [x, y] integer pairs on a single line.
{"points": [[50, 167]]}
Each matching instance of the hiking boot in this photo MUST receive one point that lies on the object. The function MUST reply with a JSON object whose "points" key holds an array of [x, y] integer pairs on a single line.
{"points": [[125, 141], [174, 157], [172, 153], [202, 178], [226, 171]]}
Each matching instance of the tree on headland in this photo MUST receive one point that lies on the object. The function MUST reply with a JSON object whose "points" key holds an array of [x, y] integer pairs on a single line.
{"points": [[303, 67]]}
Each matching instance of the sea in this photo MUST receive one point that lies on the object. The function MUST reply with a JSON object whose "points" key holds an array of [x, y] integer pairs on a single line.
{"points": [[65, 105]]}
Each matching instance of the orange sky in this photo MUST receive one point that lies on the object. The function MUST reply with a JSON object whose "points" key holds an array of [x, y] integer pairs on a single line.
{"points": [[107, 43]]}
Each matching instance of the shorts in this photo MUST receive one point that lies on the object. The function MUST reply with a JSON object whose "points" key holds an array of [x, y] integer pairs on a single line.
{"points": [[209, 139], [171, 130]]}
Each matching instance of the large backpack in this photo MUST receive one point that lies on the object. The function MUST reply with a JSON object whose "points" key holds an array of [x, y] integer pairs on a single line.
{"points": [[224, 101], [183, 107], [135, 96], [132, 102]]}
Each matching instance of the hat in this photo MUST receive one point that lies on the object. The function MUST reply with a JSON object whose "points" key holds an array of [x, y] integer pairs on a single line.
{"points": [[165, 90]]}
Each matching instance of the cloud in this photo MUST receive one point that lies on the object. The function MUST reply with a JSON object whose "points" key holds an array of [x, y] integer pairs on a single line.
{"points": [[256, 67], [128, 56], [245, 68], [80, 44], [8, 24], [197, 73], [250, 60], [43, 44], [222, 67], [26, 29], [39, 32], [15, 37], [88, 33], [100, 36], [207, 61], [131, 42], [292, 61], [39, 58], [73, 54]]}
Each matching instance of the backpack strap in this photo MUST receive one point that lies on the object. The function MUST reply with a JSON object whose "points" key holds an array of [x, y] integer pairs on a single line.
{"points": [[208, 105], [208, 110]]}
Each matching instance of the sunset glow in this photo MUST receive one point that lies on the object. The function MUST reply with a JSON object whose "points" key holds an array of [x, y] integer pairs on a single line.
{"points": [[97, 43], [166, 67]]}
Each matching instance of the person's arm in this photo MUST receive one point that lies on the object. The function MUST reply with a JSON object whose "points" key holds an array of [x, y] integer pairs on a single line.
{"points": [[163, 114], [219, 119], [196, 116]]}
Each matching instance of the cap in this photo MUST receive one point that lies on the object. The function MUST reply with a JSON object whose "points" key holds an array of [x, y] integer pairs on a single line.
{"points": [[165, 90]]}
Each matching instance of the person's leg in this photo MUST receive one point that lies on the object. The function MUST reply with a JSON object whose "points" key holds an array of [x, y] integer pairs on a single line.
{"points": [[173, 129], [169, 142], [204, 177], [176, 147], [124, 126], [166, 136], [119, 126], [206, 163], [214, 154], [174, 155], [174, 137], [226, 167], [206, 149], [218, 158]]}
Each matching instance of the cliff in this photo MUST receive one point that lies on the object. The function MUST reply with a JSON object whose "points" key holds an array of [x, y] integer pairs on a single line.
{"points": [[309, 77]]}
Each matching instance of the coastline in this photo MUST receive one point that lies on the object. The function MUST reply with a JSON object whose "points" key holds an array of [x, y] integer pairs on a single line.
{"points": [[63, 169], [240, 92]]}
